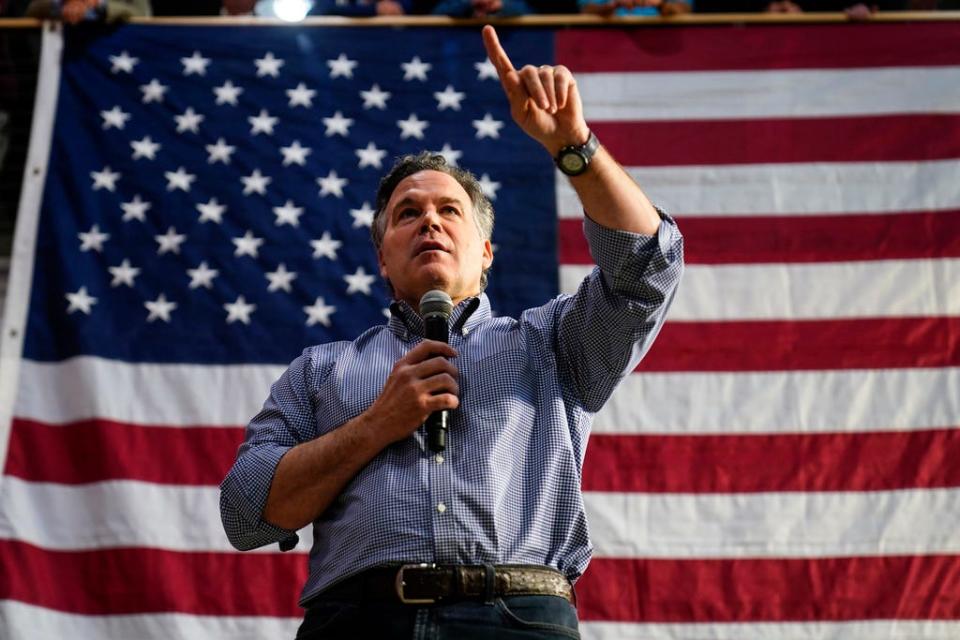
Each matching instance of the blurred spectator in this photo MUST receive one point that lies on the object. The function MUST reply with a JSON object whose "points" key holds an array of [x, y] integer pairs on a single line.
{"points": [[554, 6], [636, 7], [74, 11], [481, 8], [186, 7]]}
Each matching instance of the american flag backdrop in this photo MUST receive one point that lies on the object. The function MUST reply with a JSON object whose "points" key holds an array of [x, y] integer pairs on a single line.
{"points": [[785, 463]]}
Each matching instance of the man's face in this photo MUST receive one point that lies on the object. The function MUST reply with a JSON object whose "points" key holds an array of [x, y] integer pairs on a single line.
{"points": [[432, 240]]}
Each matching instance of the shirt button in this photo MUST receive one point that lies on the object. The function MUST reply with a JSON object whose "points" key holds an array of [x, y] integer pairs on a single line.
{"points": [[439, 459], [441, 507], [465, 331]]}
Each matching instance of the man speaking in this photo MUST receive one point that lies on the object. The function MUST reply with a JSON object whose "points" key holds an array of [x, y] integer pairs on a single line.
{"points": [[476, 529]]}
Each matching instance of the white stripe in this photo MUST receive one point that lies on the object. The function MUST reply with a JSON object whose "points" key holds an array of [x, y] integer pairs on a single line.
{"points": [[783, 402], [155, 394], [118, 513], [791, 189], [21, 621], [774, 525], [13, 325], [774, 93], [821, 290], [136, 514], [854, 630]]}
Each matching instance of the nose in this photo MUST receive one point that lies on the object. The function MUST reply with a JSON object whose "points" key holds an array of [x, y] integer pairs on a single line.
{"points": [[430, 220]]}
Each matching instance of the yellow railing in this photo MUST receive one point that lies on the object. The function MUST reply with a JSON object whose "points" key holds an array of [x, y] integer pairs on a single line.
{"points": [[533, 21]]}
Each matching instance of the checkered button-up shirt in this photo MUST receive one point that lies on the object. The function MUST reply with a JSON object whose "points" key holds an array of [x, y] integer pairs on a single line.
{"points": [[507, 489]]}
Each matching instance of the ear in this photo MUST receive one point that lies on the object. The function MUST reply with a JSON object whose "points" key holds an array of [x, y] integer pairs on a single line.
{"points": [[383, 265], [487, 254]]}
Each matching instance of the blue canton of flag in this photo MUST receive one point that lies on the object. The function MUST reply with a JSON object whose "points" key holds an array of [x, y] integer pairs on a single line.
{"points": [[210, 197]]}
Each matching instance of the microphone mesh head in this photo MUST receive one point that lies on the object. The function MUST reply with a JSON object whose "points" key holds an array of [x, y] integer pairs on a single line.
{"points": [[436, 302]]}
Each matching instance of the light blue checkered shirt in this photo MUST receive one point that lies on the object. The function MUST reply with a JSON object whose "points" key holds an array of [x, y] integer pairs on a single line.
{"points": [[507, 489]]}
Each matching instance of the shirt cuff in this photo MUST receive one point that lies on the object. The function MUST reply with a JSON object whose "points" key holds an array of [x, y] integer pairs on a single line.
{"points": [[614, 250]]}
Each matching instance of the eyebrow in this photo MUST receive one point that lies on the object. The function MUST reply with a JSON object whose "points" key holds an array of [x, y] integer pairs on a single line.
{"points": [[412, 201]]}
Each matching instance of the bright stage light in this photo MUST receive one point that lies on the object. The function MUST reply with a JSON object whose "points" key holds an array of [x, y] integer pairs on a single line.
{"points": [[291, 10]]}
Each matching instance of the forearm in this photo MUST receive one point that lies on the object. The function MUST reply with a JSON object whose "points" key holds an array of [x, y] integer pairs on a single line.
{"points": [[612, 198], [311, 475]]}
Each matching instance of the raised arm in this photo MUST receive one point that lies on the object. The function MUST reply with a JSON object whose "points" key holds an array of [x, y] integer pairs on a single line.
{"points": [[546, 104]]}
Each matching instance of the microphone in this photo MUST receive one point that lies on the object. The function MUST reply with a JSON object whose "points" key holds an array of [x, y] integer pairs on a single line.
{"points": [[435, 309]]}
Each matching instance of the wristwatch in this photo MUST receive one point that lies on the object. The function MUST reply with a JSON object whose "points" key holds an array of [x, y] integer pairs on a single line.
{"points": [[574, 159]]}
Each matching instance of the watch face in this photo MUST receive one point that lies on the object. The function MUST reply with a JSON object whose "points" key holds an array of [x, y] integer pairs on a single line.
{"points": [[572, 162]]}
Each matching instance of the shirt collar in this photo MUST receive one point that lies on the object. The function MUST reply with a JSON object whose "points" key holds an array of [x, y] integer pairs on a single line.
{"points": [[466, 315]]}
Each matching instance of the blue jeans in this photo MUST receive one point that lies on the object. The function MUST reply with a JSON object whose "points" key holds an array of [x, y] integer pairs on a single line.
{"points": [[519, 617]]}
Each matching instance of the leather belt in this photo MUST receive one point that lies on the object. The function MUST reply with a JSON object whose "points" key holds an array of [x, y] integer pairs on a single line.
{"points": [[430, 583]]}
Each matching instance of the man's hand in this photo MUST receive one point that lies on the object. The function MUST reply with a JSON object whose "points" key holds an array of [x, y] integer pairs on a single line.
{"points": [[544, 101], [389, 8], [423, 381]]}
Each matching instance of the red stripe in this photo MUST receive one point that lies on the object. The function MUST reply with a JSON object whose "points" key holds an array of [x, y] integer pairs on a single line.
{"points": [[124, 581], [731, 47], [794, 239], [778, 590], [835, 139], [97, 450], [857, 343], [741, 463]]}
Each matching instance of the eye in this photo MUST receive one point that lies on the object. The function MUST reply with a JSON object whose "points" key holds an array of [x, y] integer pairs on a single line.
{"points": [[409, 212], [451, 210]]}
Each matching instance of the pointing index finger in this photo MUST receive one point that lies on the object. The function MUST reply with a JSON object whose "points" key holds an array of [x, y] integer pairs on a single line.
{"points": [[495, 52]]}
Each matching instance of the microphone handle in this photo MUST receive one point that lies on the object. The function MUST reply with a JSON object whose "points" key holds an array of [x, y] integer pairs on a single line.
{"points": [[435, 328]]}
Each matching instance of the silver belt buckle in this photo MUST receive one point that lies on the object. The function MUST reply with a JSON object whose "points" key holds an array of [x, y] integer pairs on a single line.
{"points": [[399, 584]]}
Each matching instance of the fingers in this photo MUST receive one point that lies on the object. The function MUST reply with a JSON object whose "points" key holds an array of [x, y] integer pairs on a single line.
{"points": [[535, 89], [428, 349], [563, 81], [495, 52]]}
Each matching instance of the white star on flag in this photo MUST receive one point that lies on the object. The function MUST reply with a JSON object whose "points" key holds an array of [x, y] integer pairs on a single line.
{"points": [[320, 312], [280, 279], [80, 301], [289, 213], [179, 179], [153, 91], [170, 241], [195, 64], [123, 274], [332, 183], [451, 155], [371, 156], [263, 122], [219, 152], [144, 148], [415, 69], [342, 67], [326, 246], [211, 211], [93, 239], [115, 117], [359, 281], [449, 97], [412, 127], [268, 65], [105, 178], [486, 70], [136, 209], [295, 154], [248, 245], [337, 125], [363, 217], [375, 97], [159, 308], [488, 127], [301, 96], [227, 93], [239, 311], [202, 276], [123, 62], [256, 182], [489, 187], [189, 120]]}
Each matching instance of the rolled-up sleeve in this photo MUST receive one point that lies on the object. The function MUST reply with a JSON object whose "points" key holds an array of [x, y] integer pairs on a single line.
{"points": [[286, 419], [611, 321]]}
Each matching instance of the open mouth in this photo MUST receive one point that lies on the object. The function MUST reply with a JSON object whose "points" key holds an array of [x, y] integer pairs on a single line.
{"points": [[429, 245]]}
